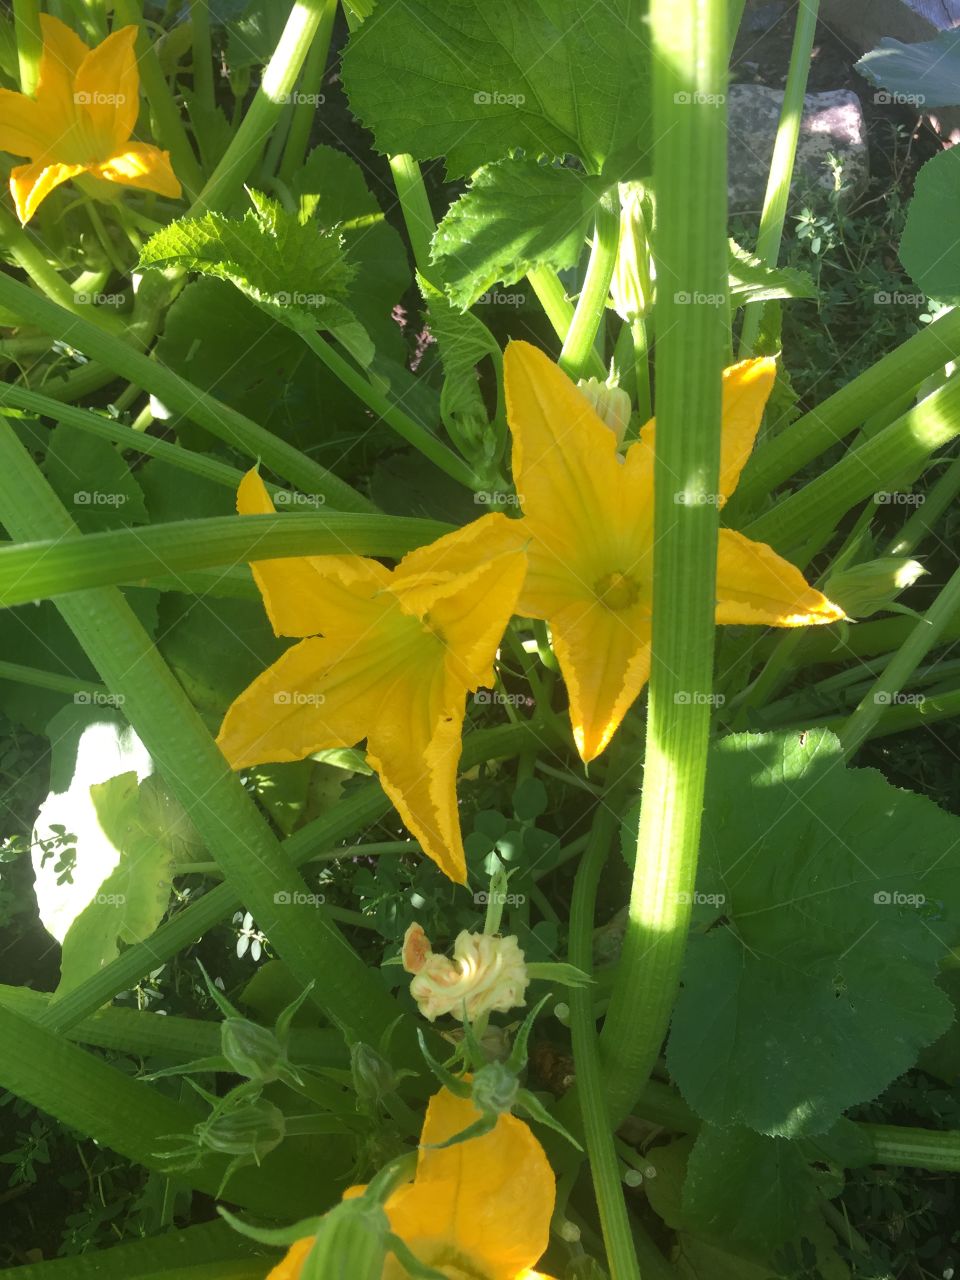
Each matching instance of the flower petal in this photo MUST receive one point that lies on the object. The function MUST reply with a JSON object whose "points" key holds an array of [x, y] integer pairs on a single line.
{"points": [[462, 550], [746, 389], [414, 743], [758, 587], [290, 711], [604, 655], [304, 595], [143, 167], [488, 1199], [107, 89], [30, 184], [26, 128], [61, 59], [565, 464], [291, 1264]]}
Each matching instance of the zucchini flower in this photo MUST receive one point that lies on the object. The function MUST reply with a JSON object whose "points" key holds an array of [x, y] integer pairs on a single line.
{"points": [[588, 516], [487, 974], [480, 1208], [81, 122], [389, 656]]}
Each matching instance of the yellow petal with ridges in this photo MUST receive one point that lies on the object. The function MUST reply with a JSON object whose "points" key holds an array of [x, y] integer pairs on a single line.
{"points": [[306, 595], [487, 1201], [30, 184], [62, 57], [142, 166], [565, 464], [758, 587], [746, 389], [25, 128], [604, 655], [291, 1264], [464, 549], [107, 89]]}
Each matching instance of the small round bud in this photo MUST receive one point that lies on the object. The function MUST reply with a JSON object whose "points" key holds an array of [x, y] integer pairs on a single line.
{"points": [[865, 589], [253, 1129], [495, 1088], [252, 1051], [373, 1076], [611, 405], [351, 1241]]}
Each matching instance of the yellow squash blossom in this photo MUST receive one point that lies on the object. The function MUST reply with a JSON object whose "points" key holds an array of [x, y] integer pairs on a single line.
{"points": [[486, 975], [390, 657], [477, 1211], [588, 514], [81, 120]]}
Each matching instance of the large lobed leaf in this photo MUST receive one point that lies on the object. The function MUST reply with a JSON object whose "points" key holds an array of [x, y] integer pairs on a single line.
{"points": [[826, 899]]}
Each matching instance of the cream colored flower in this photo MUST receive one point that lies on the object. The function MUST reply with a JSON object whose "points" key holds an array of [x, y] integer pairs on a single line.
{"points": [[487, 974]]}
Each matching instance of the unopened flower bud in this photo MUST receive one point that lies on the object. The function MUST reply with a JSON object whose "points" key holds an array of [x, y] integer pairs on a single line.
{"points": [[865, 589], [632, 285], [252, 1051], [610, 404], [495, 1088], [373, 1076], [253, 1129]]}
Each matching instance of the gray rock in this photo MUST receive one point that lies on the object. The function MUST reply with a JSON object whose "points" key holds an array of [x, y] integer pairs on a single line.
{"points": [[832, 123]]}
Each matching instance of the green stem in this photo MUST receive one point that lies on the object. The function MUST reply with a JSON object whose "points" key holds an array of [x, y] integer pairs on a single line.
{"points": [[357, 812], [415, 206], [780, 458], [604, 1166], [876, 466], [641, 356], [558, 309], [276, 86], [413, 432], [901, 667], [47, 680], [937, 501], [167, 123], [19, 245], [690, 246], [311, 85], [591, 309], [180, 395], [781, 166], [915, 1148], [26, 17]]}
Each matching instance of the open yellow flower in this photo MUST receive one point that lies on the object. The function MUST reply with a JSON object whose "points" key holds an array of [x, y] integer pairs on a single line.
{"points": [[81, 120], [588, 514], [390, 658], [477, 1211]]}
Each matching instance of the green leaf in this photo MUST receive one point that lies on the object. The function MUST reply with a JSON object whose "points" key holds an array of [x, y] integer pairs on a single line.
{"points": [[514, 216], [752, 281], [149, 831], [481, 78], [747, 1189], [917, 75], [93, 481], [929, 249], [823, 901], [464, 342], [530, 799], [283, 262]]}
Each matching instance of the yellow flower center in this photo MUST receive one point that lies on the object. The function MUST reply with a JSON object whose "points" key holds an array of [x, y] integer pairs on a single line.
{"points": [[617, 590]]}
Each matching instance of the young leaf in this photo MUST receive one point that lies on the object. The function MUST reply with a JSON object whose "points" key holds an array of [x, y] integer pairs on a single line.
{"points": [[919, 75], [929, 249], [823, 904], [283, 262], [483, 77], [514, 216], [752, 281]]}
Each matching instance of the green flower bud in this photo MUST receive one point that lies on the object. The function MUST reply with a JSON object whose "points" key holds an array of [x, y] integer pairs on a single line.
{"points": [[373, 1076], [495, 1088], [252, 1051], [632, 285], [352, 1240], [253, 1129], [865, 589], [611, 405]]}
